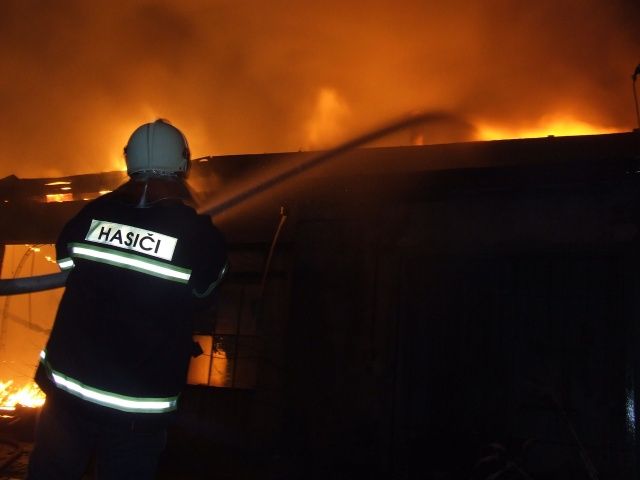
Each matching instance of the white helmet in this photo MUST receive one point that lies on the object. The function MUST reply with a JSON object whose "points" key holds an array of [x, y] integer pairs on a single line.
{"points": [[158, 148]]}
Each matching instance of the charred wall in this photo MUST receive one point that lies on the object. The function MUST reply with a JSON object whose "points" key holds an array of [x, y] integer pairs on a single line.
{"points": [[481, 314]]}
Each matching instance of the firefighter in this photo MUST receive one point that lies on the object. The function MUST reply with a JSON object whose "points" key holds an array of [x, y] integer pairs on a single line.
{"points": [[141, 262]]}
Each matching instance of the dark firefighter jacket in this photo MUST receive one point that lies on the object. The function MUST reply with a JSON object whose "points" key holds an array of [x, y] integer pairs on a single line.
{"points": [[122, 337]]}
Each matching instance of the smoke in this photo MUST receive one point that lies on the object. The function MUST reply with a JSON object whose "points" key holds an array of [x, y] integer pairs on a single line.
{"points": [[327, 118], [77, 77]]}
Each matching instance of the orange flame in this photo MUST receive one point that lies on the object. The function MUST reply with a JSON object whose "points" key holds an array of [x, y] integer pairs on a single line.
{"points": [[325, 124], [28, 395], [558, 126], [59, 197]]}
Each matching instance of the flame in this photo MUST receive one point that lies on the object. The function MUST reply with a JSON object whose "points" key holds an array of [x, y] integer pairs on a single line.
{"points": [[28, 395], [325, 124], [229, 68], [59, 197], [558, 125]]}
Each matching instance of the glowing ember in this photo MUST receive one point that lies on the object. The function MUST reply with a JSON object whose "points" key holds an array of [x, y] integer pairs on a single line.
{"points": [[59, 197], [57, 183], [28, 396], [555, 126]]}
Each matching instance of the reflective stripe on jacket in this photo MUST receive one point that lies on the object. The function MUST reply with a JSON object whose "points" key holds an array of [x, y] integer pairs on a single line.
{"points": [[108, 399]]}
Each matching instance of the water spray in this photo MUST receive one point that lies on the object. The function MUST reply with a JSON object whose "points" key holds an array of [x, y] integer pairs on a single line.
{"points": [[251, 188]]}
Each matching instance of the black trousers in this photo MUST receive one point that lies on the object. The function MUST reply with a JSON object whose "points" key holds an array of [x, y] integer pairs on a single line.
{"points": [[66, 442]]}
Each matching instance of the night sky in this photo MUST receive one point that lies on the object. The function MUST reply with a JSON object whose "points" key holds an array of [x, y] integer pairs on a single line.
{"points": [[251, 76]]}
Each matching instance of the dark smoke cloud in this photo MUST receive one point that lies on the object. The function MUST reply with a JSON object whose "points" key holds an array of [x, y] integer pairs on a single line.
{"points": [[77, 77]]}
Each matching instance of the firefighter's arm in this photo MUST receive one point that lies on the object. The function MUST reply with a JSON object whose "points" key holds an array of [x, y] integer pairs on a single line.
{"points": [[212, 266], [63, 256], [206, 292]]}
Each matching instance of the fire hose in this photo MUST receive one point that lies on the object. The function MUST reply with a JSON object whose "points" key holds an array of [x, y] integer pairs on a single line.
{"points": [[38, 283], [250, 189]]}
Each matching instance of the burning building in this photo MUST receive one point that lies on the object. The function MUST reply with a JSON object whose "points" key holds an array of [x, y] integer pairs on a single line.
{"points": [[446, 311]]}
